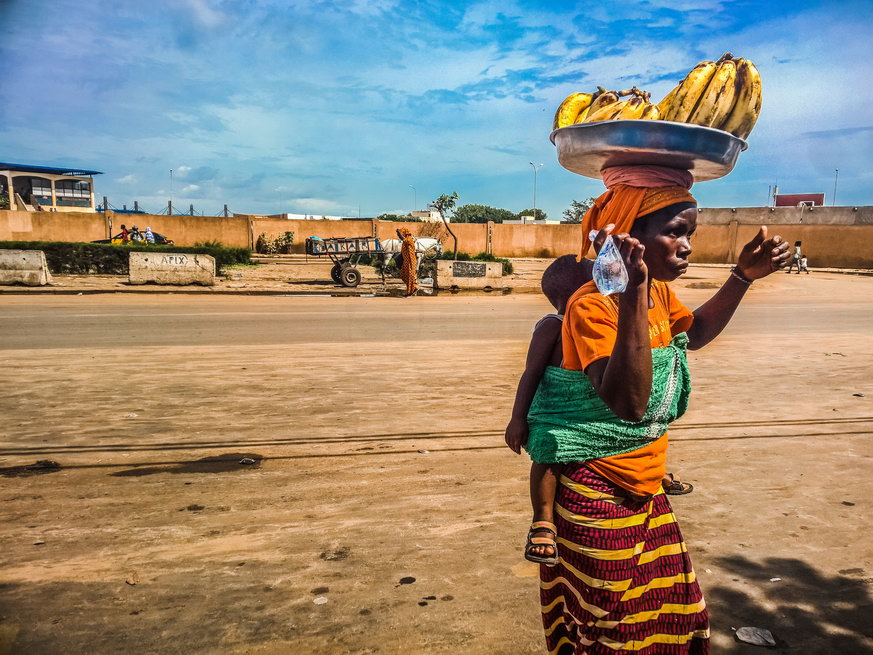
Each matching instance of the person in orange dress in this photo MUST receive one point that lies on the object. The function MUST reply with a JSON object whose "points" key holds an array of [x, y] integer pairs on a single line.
{"points": [[409, 268], [624, 581]]}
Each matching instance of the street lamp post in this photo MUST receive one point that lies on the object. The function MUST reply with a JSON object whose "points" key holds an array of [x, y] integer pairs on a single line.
{"points": [[414, 198], [836, 176], [535, 167]]}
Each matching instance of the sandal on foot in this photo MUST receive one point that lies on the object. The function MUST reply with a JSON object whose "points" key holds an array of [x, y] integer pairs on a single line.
{"points": [[541, 526], [676, 487]]}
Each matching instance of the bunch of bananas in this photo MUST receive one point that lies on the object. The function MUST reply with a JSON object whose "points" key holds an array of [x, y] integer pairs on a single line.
{"points": [[603, 105], [724, 94]]}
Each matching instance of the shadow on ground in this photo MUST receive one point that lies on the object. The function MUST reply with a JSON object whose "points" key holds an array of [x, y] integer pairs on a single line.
{"points": [[216, 464], [807, 611]]}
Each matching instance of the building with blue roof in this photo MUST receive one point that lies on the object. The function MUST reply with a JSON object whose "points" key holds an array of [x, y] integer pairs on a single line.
{"points": [[28, 187]]}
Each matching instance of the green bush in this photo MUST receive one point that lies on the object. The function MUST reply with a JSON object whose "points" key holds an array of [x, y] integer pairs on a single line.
{"points": [[108, 259]]}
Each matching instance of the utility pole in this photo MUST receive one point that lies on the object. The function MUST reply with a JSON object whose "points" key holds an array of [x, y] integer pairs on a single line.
{"points": [[836, 176], [535, 167]]}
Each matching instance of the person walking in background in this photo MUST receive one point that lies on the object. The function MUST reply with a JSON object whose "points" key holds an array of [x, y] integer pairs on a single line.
{"points": [[795, 258], [125, 235], [803, 266], [409, 268], [149, 235]]}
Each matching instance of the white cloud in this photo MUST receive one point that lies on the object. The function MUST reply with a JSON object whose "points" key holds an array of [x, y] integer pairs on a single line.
{"points": [[317, 205], [204, 14], [127, 179], [181, 171], [190, 188]]}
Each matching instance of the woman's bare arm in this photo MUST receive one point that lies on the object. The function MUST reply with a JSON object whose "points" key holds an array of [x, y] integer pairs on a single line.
{"points": [[624, 380], [759, 258]]}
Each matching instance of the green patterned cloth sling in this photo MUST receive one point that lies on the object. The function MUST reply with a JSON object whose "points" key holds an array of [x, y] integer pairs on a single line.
{"points": [[568, 422]]}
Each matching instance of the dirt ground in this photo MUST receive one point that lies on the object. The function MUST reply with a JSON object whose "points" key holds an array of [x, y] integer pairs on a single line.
{"points": [[382, 513], [277, 274]]}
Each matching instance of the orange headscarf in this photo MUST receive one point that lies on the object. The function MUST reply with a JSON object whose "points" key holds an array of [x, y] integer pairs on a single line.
{"points": [[634, 191]]}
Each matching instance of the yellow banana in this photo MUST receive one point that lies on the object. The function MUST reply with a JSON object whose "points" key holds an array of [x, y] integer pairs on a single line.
{"points": [[686, 95], [570, 110], [651, 112], [663, 107], [747, 104], [634, 107], [607, 113], [717, 100], [603, 99]]}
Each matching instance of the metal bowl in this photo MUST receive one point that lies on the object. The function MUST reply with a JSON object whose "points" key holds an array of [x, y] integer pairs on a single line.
{"points": [[588, 148]]}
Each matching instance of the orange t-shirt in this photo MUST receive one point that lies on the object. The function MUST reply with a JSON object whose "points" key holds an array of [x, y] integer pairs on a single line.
{"points": [[589, 332]]}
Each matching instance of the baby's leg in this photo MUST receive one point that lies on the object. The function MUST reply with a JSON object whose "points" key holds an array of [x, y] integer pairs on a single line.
{"points": [[543, 483]]}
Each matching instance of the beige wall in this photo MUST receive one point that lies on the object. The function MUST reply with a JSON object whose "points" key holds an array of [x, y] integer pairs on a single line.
{"points": [[51, 226], [786, 215], [535, 240], [834, 243], [188, 230]]}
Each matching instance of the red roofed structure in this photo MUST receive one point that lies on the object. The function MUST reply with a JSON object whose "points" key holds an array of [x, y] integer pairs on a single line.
{"points": [[796, 199]]}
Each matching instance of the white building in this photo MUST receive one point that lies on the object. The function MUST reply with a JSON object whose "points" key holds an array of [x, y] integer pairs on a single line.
{"points": [[429, 215], [47, 188]]}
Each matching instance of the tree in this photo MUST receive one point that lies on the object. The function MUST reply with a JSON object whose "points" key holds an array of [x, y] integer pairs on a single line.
{"points": [[577, 210], [481, 214], [445, 204], [538, 215]]}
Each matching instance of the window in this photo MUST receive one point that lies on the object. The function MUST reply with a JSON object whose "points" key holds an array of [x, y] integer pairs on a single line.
{"points": [[73, 193], [72, 189], [41, 187]]}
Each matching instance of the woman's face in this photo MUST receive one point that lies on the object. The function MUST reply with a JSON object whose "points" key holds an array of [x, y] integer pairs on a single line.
{"points": [[668, 243]]}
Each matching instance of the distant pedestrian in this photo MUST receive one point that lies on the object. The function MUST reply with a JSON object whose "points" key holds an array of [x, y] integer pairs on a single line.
{"points": [[795, 258], [125, 235], [149, 235], [802, 266], [409, 268]]}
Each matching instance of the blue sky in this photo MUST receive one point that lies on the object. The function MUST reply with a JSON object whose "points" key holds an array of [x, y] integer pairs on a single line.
{"points": [[319, 107]]}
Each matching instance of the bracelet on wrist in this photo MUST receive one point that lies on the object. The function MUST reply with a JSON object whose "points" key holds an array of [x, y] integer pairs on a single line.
{"points": [[742, 278]]}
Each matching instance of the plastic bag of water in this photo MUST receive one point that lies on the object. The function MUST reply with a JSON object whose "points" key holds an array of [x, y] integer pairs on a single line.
{"points": [[610, 275]]}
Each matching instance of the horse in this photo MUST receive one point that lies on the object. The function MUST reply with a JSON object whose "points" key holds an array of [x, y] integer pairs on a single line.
{"points": [[424, 247]]}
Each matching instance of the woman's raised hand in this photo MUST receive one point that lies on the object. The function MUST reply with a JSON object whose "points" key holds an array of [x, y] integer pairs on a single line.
{"points": [[631, 251], [762, 256]]}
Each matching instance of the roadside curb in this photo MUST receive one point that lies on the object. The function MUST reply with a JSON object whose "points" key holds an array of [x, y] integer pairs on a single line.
{"points": [[191, 292]]}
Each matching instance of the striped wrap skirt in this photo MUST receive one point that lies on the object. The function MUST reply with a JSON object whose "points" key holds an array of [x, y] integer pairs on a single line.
{"points": [[624, 582]]}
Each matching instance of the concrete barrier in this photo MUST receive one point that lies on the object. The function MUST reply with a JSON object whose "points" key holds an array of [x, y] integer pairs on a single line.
{"points": [[26, 267], [468, 275], [171, 268]]}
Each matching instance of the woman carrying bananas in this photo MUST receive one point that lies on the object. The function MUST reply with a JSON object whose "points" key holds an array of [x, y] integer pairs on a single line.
{"points": [[624, 581]]}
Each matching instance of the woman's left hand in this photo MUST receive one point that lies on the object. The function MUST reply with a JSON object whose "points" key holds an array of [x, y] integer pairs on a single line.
{"points": [[762, 256]]}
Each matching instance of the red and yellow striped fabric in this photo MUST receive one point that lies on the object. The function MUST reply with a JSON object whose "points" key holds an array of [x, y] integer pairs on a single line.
{"points": [[624, 583]]}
